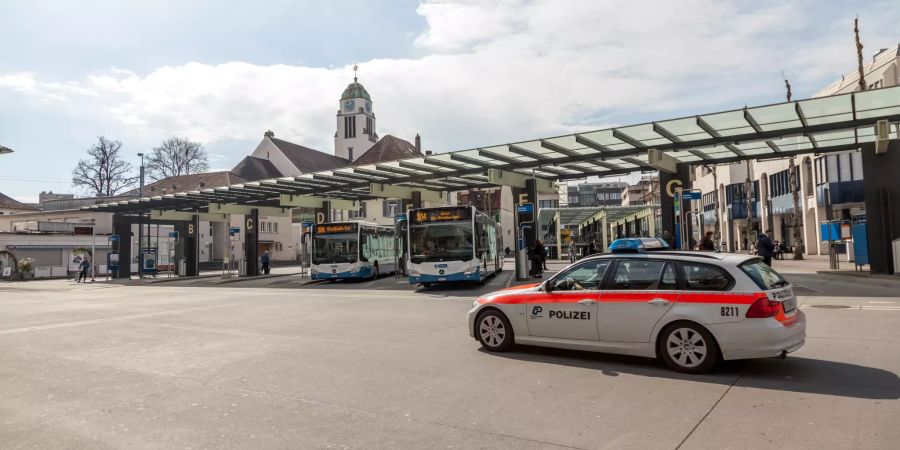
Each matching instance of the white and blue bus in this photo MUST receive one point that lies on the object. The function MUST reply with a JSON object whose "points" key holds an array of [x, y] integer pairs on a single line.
{"points": [[346, 250], [453, 243]]}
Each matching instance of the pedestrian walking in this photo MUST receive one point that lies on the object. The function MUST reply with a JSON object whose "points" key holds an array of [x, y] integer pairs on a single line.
{"points": [[265, 262], [765, 247], [84, 267], [571, 251], [592, 247], [537, 252]]}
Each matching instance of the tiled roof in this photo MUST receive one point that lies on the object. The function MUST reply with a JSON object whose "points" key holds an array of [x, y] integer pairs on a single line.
{"points": [[307, 159], [7, 202], [193, 182], [252, 168], [387, 148]]}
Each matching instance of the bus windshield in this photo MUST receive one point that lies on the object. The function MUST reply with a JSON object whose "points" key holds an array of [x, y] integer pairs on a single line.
{"points": [[441, 242], [335, 248]]}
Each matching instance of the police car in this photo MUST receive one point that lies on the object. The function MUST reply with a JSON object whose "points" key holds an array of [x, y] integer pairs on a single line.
{"points": [[691, 309]]}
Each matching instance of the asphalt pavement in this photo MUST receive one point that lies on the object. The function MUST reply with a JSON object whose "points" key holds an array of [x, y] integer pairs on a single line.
{"points": [[292, 364]]}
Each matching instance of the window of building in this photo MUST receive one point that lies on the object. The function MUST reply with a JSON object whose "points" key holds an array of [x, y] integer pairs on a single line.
{"points": [[857, 169], [274, 227], [350, 153], [369, 129], [573, 199], [390, 208], [844, 167], [350, 127], [831, 169]]}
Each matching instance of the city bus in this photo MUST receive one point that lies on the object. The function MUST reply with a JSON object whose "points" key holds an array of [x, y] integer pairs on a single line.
{"points": [[452, 243], [348, 250]]}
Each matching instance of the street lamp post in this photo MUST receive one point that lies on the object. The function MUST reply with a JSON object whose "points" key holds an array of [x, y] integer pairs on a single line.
{"points": [[141, 222]]}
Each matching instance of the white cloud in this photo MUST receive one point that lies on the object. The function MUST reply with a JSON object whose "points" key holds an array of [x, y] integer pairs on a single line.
{"points": [[496, 72]]}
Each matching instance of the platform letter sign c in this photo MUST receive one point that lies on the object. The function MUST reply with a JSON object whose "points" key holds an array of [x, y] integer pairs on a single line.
{"points": [[249, 224], [672, 187]]}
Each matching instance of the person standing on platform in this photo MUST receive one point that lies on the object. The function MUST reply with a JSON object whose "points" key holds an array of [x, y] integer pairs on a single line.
{"points": [[571, 251], [537, 255], [84, 266], [765, 247], [707, 243]]}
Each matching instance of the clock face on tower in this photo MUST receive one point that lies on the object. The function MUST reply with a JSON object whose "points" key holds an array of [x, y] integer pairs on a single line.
{"points": [[369, 107], [349, 105]]}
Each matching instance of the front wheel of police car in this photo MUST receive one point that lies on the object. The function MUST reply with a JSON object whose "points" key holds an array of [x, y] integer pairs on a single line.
{"points": [[494, 331], [688, 347]]}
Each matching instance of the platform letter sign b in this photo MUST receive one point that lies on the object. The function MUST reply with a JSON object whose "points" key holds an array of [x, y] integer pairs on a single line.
{"points": [[190, 229]]}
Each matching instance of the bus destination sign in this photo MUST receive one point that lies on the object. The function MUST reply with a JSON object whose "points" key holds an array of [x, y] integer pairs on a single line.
{"points": [[442, 215], [336, 228]]}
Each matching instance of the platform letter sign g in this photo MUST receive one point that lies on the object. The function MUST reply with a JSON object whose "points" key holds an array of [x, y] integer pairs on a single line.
{"points": [[672, 187]]}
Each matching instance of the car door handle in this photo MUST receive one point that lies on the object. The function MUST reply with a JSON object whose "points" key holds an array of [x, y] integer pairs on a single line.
{"points": [[659, 301], [587, 301]]}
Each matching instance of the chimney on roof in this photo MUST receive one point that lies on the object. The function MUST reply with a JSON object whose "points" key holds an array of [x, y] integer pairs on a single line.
{"points": [[428, 152], [269, 134], [418, 144]]}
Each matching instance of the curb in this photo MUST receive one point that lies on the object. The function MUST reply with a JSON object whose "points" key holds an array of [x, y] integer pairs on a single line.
{"points": [[176, 278], [260, 277], [879, 280]]}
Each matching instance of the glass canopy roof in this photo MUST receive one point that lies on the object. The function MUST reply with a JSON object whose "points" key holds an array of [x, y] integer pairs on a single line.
{"points": [[817, 125]]}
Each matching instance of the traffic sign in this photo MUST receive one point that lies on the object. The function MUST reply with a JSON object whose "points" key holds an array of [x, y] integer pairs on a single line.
{"points": [[690, 195], [525, 213], [173, 235], [234, 230]]}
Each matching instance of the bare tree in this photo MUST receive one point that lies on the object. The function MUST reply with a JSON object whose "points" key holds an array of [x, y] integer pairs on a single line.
{"points": [[104, 172], [176, 156]]}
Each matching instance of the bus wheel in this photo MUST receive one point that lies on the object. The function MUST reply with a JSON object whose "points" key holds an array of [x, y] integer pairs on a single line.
{"points": [[375, 273]]}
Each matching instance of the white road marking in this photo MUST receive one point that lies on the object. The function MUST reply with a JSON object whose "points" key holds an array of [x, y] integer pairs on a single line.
{"points": [[89, 322], [872, 301]]}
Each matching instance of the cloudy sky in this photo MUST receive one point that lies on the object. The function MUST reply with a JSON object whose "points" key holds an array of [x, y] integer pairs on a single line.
{"points": [[460, 73]]}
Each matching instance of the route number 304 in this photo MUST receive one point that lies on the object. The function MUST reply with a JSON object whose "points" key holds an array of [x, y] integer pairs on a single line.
{"points": [[729, 311]]}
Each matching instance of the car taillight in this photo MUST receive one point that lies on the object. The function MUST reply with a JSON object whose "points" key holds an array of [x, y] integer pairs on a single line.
{"points": [[763, 308]]}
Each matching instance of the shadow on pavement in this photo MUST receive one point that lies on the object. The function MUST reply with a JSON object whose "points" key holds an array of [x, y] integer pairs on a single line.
{"points": [[794, 374]]}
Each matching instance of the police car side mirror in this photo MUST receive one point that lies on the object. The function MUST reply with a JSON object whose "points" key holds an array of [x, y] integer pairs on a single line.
{"points": [[547, 286]]}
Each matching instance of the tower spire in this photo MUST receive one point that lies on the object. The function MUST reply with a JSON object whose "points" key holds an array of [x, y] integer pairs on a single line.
{"points": [[355, 68]]}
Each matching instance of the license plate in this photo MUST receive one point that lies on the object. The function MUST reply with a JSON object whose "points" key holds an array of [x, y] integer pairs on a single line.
{"points": [[442, 279], [789, 305]]}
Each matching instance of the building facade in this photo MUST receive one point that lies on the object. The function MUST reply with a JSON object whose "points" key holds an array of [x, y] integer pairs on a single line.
{"points": [[742, 199]]}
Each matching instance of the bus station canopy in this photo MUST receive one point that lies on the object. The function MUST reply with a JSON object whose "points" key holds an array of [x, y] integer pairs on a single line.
{"points": [[817, 125]]}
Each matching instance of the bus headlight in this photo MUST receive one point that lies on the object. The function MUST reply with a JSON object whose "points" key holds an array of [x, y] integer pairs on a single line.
{"points": [[313, 272], [414, 273], [355, 269], [471, 270]]}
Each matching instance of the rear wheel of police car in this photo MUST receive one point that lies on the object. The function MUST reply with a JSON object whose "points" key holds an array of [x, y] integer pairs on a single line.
{"points": [[494, 331], [688, 347]]}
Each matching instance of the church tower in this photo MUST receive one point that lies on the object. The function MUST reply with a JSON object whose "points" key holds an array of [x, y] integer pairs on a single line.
{"points": [[355, 122]]}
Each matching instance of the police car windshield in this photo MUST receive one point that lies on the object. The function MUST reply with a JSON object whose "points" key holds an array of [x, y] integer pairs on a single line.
{"points": [[764, 276], [335, 248], [443, 241]]}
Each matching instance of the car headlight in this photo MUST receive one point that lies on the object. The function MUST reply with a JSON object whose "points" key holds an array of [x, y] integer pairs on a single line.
{"points": [[475, 304], [414, 273]]}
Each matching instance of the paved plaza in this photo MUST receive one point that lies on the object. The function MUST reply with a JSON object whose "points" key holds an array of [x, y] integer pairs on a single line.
{"points": [[387, 365]]}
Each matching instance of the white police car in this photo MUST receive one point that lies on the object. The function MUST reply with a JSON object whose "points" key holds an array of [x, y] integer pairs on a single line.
{"points": [[691, 309]]}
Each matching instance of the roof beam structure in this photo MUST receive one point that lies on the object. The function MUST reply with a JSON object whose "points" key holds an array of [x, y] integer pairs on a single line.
{"points": [[514, 179], [391, 191], [748, 133]]}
